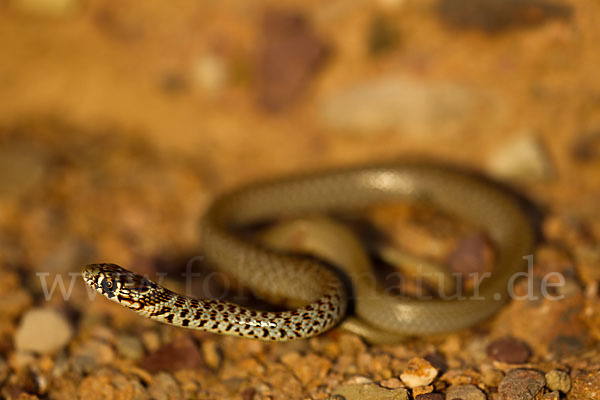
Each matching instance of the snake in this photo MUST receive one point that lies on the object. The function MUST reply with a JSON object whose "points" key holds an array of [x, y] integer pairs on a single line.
{"points": [[321, 294]]}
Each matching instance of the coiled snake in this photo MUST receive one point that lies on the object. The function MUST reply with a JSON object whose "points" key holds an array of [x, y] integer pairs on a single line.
{"points": [[279, 277]]}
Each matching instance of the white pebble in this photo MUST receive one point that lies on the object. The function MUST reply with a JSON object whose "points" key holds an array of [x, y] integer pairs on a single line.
{"points": [[42, 331]]}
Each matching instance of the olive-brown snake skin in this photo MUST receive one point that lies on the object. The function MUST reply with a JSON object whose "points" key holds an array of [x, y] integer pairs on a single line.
{"points": [[281, 278]]}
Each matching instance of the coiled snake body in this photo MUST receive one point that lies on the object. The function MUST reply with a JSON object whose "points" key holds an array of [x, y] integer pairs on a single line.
{"points": [[279, 277]]}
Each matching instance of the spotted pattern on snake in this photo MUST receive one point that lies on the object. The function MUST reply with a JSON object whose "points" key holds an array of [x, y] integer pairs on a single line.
{"points": [[278, 277], [153, 301]]}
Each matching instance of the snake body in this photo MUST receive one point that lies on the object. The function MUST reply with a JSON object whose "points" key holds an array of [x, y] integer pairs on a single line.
{"points": [[279, 278]]}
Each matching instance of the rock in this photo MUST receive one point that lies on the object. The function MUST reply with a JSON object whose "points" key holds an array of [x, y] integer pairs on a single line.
{"points": [[288, 58], [418, 372], [472, 255], [398, 104], [358, 380], [586, 385], [212, 354], [430, 396], [509, 350], [422, 390], [21, 170], [369, 391], [181, 353], [557, 380], [91, 354], [14, 302], [151, 341], [129, 347], [465, 392], [522, 159], [492, 377], [209, 72], [108, 384], [164, 387], [383, 35], [586, 147], [42, 331], [551, 396], [521, 384], [47, 8], [392, 383], [494, 16], [307, 369]]}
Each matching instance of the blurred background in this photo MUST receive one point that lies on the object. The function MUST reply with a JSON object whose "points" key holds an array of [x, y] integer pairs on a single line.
{"points": [[120, 121]]}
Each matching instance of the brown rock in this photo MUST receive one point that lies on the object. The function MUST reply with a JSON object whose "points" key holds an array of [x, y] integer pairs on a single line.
{"points": [[290, 54], [585, 385], [430, 396], [181, 353], [493, 16], [418, 372], [509, 350], [521, 384], [473, 255], [465, 392]]}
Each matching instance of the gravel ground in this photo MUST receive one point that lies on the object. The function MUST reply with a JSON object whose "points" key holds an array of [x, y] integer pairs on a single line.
{"points": [[120, 123]]}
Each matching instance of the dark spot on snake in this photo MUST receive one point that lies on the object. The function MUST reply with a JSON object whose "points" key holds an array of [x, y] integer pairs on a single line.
{"points": [[215, 326], [228, 328], [265, 332], [202, 323], [185, 322], [183, 313], [282, 333], [169, 318]]}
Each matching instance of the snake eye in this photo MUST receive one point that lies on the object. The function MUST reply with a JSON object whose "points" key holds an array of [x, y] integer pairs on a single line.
{"points": [[108, 286]]}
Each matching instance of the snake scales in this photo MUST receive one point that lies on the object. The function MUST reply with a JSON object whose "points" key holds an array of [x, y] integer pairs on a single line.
{"points": [[279, 277]]}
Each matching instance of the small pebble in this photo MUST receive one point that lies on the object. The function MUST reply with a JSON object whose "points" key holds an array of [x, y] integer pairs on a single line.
{"points": [[151, 341], [398, 104], [209, 72], [422, 390], [492, 377], [585, 385], [430, 396], [164, 387], [358, 380], [557, 380], [47, 8], [56, 331], [370, 391], [418, 372], [521, 159], [212, 354], [92, 354], [551, 396], [521, 384], [129, 347], [509, 350], [290, 55], [392, 383], [181, 353], [465, 392]]}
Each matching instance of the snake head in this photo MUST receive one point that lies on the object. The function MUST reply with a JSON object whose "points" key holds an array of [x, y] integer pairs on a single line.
{"points": [[116, 283]]}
